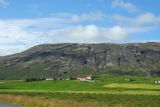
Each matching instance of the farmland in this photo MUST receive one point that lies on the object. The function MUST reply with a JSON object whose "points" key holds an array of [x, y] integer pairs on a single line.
{"points": [[107, 91]]}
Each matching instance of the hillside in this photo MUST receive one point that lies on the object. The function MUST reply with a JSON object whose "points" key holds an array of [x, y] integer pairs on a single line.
{"points": [[66, 60]]}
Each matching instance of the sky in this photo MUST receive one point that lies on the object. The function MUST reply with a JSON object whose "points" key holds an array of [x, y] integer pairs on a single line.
{"points": [[26, 23]]}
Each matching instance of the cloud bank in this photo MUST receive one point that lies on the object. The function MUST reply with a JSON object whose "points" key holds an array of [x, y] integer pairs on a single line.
{"points": [[21, 34], [125, 5]]}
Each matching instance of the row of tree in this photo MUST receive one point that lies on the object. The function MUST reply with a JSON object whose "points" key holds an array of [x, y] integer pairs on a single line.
{"points": [[35, 79]]}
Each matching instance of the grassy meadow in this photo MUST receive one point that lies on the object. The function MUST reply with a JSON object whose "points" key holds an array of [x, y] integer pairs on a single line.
{"points": [[107, 91]]}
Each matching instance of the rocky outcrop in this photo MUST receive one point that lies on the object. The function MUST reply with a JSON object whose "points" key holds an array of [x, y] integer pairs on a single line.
{"points": [[61, 60]]}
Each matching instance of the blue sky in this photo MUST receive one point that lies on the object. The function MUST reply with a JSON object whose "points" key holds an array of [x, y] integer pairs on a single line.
{"points": [[26, 23]]}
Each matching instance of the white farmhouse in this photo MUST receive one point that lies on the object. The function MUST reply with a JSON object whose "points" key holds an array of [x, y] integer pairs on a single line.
{"points": [[87, 78], [157, 81], [48, 79]]}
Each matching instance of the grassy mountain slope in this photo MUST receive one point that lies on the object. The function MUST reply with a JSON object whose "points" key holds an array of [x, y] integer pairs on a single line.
{"points": [[66, 60]]}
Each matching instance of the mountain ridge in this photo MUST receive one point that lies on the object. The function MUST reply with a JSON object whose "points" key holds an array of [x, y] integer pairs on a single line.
{"points": [[72, 59]]}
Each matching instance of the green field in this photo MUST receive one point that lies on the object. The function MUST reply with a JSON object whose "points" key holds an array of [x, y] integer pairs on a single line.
{"points": [[133, 86], [108, 90]]}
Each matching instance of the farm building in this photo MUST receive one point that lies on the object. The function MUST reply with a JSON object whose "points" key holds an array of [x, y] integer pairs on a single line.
{"points": [[81, 79], [49, 79], [87, 78], [157, 81]]}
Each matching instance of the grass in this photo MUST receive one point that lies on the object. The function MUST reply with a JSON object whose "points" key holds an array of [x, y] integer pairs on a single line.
{"points": [[43, 102], [81, 87], [107, 91], [94, 100], [51, 86], [133, 86]]}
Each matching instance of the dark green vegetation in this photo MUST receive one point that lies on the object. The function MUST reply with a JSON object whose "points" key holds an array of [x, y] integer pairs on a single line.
{"points": [[104, 100], [69, 60], [108, 90], [102, 81]]}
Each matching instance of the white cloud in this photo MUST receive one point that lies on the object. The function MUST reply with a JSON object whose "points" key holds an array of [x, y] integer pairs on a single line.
{"points": [[19, 34], [90, 16], [3, 2], [75, 18], [125, 5], [142, 19], [89, 34], [147, 18], [117, 33]]}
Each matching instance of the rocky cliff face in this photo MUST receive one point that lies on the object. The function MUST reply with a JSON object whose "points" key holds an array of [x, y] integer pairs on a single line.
{"points": [[61, 60]]}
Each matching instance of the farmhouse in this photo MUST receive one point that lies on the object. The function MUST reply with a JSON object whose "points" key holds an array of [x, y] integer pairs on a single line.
{"points": [[87, 78], [48, 79], [157, 81], [81, 79]]}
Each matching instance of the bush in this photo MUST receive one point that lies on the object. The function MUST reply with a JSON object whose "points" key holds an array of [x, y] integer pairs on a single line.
{"points": [[35, 79]]}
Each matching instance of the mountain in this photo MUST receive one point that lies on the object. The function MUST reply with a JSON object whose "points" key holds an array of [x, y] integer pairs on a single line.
{"points": [[69, 60]]}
